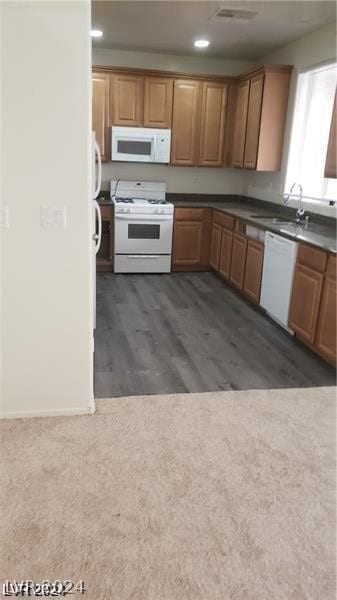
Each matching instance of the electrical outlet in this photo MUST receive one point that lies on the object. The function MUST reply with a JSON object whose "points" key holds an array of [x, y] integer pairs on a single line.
{"points": [[4, 216], [54, 217]]}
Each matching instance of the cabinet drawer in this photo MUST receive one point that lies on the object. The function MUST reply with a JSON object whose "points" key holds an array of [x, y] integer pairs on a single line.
{"points": [[190, 214], [224, 220], [311, 257], [331, 267], [106, 212]]}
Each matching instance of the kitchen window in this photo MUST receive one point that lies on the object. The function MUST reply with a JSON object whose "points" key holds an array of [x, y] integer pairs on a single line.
{"points": [[310, 134]]}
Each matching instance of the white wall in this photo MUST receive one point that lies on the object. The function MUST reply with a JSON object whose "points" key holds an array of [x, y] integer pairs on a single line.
{"points": [[313, 49], [45, 161], [169, 62], [178, 179]]}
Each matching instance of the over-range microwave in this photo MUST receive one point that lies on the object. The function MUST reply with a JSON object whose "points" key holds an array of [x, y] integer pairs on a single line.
{"points": [[140, 144]]}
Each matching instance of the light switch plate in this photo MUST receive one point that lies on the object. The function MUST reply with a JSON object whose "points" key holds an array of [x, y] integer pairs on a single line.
{"points": [[4, 216], [54, 217]]}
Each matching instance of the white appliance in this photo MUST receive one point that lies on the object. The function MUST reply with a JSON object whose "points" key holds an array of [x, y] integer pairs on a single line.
{"points": [[96, 179], [143, 227], [277, 277], [140, 144]]}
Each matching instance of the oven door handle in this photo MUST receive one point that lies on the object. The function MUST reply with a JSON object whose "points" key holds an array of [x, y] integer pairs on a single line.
{"points": [[146, 218]]}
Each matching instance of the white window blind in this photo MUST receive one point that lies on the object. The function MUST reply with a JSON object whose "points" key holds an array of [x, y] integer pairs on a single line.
{"points": [[310, 133]]}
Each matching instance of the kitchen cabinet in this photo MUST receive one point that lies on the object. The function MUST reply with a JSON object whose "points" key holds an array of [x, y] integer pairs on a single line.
{"points": [[104, 258], [127, 99], [312, 313], [191, 238], [215, 246], [306, 294], [221, 243], [226, 253], [158, 99], [185, 121], [327, 330], [253, 121], [331, 156], [100, 111], [212, 125], [240, 123], [253, 271], [260, 119], [238, 263]]}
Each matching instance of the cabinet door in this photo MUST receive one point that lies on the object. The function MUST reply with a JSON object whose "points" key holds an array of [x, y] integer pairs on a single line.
{"points": [[127, 98], [215, 246], [253, 272], [240, 123], [327, 331], [213, 117], [158, 98], [253, 121], [226, 253], [306, 295], [100, 111], [185, 122], [331, 157], [187, 243], [238, 260]]}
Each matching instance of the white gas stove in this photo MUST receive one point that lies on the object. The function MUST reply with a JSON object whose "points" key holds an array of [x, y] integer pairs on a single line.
{"points": [[143, 227]]}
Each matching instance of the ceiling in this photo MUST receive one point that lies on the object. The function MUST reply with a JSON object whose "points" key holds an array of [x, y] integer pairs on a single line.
{"points": [[171, 27]]}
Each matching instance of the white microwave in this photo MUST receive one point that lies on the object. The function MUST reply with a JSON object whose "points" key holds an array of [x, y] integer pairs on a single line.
{"points": [[140, 144]]}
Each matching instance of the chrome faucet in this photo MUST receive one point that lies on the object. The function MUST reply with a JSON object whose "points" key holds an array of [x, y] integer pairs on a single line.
{"points": [[300, 213]]}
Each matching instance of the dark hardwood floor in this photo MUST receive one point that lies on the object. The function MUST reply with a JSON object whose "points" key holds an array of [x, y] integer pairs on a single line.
{"points": [[190, 332]]}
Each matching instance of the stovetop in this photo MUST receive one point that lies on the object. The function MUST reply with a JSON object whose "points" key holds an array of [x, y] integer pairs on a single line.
{"points": [[138, 201]]}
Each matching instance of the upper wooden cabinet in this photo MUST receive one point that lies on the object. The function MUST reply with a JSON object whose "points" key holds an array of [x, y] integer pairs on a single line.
{"points": [[253, 121], [158, 98], [186, 108], [260, 119], [100, 111], [240, 123], [212, 126], [215, 121], [331, 158], [127, 99]]}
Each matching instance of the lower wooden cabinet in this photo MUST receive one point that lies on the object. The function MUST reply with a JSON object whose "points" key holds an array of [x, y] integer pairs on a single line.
{"points": [[326, 332], [306, 294], [214, 256], [104, 258], [226, 253], [191, 238], [253, 272], [238, 264]]}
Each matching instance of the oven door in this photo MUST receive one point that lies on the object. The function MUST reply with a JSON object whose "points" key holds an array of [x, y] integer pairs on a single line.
{"points": [[143, 234]]}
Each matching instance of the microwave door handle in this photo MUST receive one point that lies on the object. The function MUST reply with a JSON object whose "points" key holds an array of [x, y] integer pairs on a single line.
{"points": [[99, 172]]}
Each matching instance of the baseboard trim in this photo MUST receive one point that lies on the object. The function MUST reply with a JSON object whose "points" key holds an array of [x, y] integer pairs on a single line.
{"points": [[66, 412]]}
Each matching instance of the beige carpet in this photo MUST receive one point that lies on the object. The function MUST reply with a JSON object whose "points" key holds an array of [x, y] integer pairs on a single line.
{"points": [[219, 496]]}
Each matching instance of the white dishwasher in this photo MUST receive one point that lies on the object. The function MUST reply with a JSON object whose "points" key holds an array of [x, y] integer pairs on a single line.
{"points": [[277, 277]]}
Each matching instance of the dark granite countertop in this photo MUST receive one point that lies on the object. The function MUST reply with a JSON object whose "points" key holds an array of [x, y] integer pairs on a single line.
{"points": [[321, 230]]}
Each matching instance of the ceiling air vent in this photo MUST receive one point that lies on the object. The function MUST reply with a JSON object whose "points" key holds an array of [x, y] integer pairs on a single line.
{"points": [[234, 14]]}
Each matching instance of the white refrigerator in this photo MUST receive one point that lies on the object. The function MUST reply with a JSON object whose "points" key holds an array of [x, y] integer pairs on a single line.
{"points": [[96, 215]]}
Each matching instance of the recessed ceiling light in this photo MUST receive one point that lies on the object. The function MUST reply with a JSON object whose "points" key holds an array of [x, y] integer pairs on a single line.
{"points": [[96, 33], [201, 43]]}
